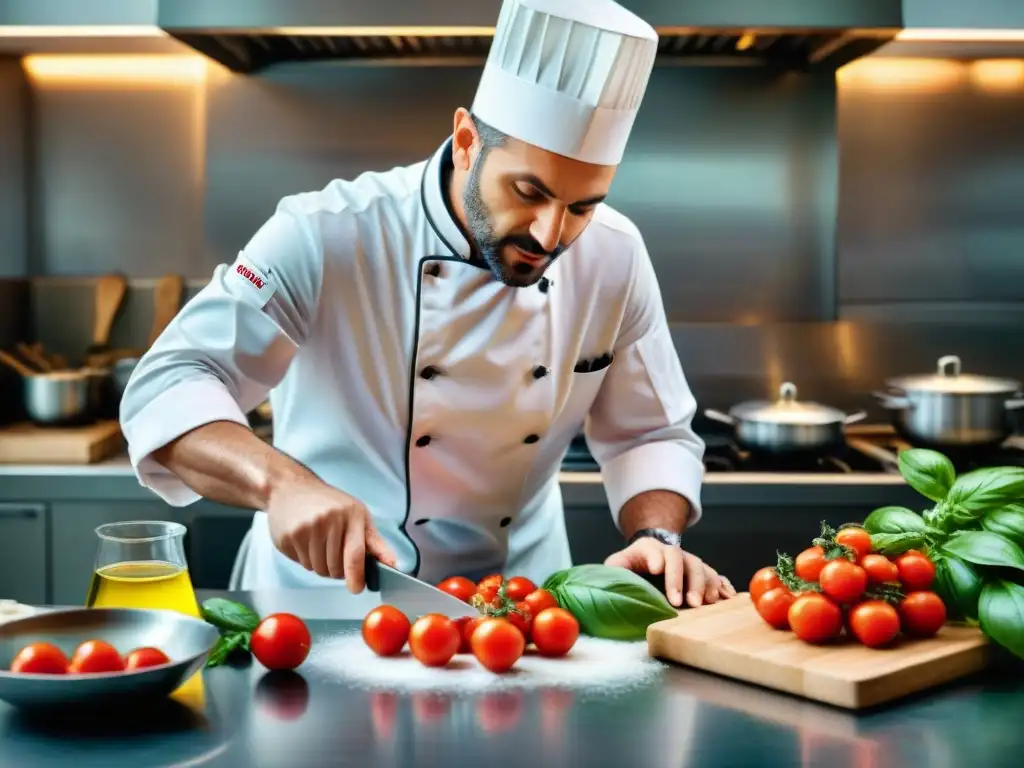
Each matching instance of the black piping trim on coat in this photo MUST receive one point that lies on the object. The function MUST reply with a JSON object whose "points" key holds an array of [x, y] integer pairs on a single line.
{"points": [[455, 256]]}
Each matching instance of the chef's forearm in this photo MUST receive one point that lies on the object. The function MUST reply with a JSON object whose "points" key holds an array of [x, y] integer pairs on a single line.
{"points": [[225, 462], [654, 509]]}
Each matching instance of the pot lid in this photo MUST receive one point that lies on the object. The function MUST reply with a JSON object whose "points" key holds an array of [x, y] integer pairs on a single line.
{"points": [[948, 378], [787, 410]]}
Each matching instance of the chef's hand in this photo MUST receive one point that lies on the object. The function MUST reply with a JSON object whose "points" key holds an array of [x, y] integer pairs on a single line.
{"points": [[325, 530], [648, 555]]}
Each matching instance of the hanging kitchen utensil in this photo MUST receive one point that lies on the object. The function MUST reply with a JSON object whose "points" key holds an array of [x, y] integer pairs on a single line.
{"points": [[786, 425], [110, 292], [951, 409]]}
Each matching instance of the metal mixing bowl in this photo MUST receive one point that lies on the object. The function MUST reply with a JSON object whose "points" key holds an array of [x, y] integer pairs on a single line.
{"points": [[186, 640]]}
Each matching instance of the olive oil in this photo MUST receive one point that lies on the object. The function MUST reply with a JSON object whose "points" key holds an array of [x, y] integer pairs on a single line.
{"points": [[149, 584]]}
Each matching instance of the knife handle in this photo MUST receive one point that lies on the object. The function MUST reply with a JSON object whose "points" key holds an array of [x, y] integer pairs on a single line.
{"points": [[371, 573]]}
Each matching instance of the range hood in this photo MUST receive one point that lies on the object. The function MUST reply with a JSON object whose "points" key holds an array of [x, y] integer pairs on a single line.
{"points": [[248, 36]]}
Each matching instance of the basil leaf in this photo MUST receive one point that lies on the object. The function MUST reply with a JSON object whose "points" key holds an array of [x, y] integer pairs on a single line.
{"points": [[928, 472], [1001, 615], [959, 585], [226, 645], [985, 548], [890, 544], [986, 489], [894, 520], [1008, 522], [227, 614], [611, 602], [555, 579]]}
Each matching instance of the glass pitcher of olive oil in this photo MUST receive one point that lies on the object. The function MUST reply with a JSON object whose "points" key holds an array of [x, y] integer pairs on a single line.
{"points": [[141, 564]]}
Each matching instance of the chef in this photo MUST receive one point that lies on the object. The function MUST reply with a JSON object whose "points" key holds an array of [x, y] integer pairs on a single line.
{"points": [[432, 337]]}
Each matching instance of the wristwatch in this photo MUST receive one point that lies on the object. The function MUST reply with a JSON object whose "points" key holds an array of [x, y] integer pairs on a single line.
{"points": [[671, 538]]}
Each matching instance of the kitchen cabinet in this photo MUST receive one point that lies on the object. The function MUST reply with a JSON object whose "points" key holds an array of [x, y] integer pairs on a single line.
{"points": [[23, 561], [73, 539]]}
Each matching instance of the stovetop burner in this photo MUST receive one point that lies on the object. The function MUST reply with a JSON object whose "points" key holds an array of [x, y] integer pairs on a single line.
{"points": [[869, 449]]}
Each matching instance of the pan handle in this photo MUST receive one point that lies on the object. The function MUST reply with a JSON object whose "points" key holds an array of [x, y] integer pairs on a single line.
{"points": [[719, 416], [892, 402], [855, 417]]}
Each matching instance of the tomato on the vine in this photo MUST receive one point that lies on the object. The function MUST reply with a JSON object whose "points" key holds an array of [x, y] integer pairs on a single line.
{"points": [[773, 606], [523, 621], [40, 659], [880, 569], [497, 644], [458, 586], [555, 632], [94, 656], [857, 539], [540, 599], [385, 630], [280, 641], [843, 581], [922, 613], [814, 618], [494, 580], [518, 587], [809, 563], [434, 639], [765, 580], [917, 572], [874, 623]]}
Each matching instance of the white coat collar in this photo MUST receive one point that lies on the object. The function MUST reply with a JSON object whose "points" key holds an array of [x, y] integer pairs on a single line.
{"points": [[433, 194]]}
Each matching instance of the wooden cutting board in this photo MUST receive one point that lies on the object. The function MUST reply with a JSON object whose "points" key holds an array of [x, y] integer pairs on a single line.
{"points": [[29, 444], [730, 639]]}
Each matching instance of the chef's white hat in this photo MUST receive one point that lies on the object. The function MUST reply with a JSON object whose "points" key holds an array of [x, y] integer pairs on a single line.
{"points": [[567, 76]]}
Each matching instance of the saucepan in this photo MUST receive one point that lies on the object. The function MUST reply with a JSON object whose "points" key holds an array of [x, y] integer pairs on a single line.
{"points": [[951, 409], [56, 398], [786, 425]]}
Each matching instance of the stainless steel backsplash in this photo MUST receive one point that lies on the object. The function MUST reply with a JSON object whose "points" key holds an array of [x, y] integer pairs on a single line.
{"points": [[772, 205]]}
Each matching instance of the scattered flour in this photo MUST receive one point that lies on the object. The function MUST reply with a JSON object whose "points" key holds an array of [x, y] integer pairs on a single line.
{"points": [[592, 663]]}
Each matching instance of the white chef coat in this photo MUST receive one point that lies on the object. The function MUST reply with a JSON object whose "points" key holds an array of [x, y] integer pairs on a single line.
{"points": [[406, 375]]}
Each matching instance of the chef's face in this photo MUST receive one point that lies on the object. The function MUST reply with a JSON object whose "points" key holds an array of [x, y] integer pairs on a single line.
{"points": [[524, 206]]}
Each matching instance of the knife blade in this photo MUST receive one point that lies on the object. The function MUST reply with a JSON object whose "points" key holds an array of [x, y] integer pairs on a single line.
{"points": [[411, 596]]}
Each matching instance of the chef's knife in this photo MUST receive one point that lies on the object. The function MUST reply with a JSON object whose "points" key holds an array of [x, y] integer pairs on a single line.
{"points": [[411, 596]]}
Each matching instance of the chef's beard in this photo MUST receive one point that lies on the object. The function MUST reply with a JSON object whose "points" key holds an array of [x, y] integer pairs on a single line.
{"points": [[491, 248]]}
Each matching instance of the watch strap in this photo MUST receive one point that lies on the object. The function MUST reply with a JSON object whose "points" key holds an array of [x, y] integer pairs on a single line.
{"points": [[663, 535]]}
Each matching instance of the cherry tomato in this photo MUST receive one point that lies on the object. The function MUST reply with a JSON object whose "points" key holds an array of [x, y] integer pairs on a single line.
{"points": [[856, 538], [458, 586], [522, 621], [95, 656], [40, 659], [917, 572], [843, 581], [555, 632], [880, 569], [467, 627], [518, 587], [773, 607], [280, 641], [497, 644], [809, 563], [489, 592], [385, 630], [494, 580], [434, 639], [763, 581], [922, 613], [145, 657], [814, 618], [874, 623], [538, 600]]}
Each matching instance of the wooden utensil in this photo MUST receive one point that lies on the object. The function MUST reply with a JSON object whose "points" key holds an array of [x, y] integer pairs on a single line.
{"points": [[167, 297], [730, 639], [33, 356], [16, 364], [110, 292]]}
